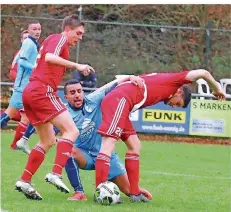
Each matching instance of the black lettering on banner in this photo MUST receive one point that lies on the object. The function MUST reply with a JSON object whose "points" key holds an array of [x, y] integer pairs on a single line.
{"points": [[177, 117], [148, 114], [194, 105], [203, 105], [155, 115], [168, 116]]}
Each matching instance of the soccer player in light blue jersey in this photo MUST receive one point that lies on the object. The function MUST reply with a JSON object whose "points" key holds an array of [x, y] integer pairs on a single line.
{"points": [[26, 61], [86, 113]]}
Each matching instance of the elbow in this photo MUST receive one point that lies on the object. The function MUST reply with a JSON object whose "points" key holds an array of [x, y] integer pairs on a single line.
{"points": [[205, 74]]}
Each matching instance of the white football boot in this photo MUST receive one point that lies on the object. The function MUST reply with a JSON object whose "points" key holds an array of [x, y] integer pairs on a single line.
{"points": [[57, 182], [22, 144], [28, 190]]}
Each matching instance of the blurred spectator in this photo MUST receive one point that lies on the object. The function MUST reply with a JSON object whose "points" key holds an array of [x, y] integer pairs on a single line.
{"points": [[86, 79]]}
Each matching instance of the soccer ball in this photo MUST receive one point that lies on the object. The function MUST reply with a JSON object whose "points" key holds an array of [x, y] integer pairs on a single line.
{"points": [[107, 193]]}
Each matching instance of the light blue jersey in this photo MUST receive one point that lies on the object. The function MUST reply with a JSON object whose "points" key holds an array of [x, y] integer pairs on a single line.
{"points": [[87, 121], [28, 52], [26, 61]]}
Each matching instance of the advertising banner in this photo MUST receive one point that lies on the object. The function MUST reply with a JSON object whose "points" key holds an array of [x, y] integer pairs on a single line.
{"points": [[210, 118], [161, 118]]}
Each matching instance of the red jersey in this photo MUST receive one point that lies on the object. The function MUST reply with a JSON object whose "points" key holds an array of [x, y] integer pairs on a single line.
{"points": [[14, 67], [159, 87], [48, 73]]}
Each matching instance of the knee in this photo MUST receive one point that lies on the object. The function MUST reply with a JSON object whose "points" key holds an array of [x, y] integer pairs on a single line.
{"points": [[71, 132], [108, 146], [74, 133], [134, 149], [24, 119]]}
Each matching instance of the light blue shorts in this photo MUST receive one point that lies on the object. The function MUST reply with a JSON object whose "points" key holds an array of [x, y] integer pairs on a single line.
{"points": [[16, 100], [116, 166]]}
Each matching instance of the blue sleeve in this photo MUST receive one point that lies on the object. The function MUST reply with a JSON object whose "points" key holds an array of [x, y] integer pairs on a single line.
{"points": [[26, 49], [77, 75], [96, 96], [25, 64], [92, 82], [108, 90]]}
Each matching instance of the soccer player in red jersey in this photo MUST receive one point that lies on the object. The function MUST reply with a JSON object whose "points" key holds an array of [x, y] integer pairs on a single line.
{"points": [[116, 106], [44, 108]]}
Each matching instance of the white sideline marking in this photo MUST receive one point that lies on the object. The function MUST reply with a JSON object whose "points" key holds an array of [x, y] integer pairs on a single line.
{"points": [[189, 175]]}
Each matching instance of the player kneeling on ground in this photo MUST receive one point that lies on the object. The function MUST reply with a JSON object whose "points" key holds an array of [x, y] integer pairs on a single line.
{"points": [[86, 113]]}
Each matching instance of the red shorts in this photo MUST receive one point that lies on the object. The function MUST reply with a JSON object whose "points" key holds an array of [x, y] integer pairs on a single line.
{"points": [[41, 103], [115, 117]]}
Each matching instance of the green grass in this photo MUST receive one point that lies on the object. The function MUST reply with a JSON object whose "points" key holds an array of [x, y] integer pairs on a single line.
{"points": [[181, 177]]}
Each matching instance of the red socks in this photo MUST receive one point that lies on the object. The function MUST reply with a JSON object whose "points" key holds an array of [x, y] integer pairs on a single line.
{"points": [[35, 159], [132, 165], [21, 128], [63, 152], [102, 167]]}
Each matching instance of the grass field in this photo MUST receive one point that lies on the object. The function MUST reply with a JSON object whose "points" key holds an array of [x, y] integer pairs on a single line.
{"points": [[181, 177]]}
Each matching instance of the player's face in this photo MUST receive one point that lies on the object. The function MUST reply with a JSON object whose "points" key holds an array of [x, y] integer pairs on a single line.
{"points": [[74, 35], [75, 95], [24, 36], [176, 101], [34, 30]]}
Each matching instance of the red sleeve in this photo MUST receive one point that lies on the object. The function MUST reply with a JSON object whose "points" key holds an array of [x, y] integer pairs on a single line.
{"points": [[180, 78], [56, 44]]}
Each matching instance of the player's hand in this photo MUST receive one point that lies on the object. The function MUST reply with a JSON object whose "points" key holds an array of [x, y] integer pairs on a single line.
{"points": [[219, 95], [137, 81], [84, 68]]}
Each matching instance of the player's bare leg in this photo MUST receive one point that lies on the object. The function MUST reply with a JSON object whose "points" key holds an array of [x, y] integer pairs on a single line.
{"points": [[47, 139], [69, 132], [132, 165], [11, 111]]}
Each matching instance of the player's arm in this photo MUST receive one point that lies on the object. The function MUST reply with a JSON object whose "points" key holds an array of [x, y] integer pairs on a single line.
{"points": [[194, 75], [25, 53], [111, 85], [55, 59], [25, 64]]}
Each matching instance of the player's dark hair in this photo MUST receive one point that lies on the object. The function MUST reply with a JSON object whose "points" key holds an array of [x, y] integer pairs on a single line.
{"points": [[72, 21], [186, 95], [70, 82], [33, 22]]}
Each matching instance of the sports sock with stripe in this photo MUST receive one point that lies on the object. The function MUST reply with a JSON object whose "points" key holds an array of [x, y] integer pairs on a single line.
{"points": [[35, 159], [102, 167], [63, 153], [72, 170], [132, 165]]}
